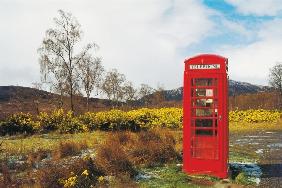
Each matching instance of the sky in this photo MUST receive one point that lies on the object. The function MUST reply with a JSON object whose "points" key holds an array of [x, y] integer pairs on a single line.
{"points": [[148, 40]]}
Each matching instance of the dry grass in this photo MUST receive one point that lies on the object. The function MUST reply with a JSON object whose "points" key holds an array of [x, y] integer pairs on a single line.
{"points": [[120, 154], [18, 145], [7, 180], [50, 175], [37, 156], [113, 159], [159, 146], [251, 127], [122, 150], [68, 148], [154, 148]]}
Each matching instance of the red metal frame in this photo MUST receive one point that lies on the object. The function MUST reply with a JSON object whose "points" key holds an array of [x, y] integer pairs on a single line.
{"points": [[205, 116]]}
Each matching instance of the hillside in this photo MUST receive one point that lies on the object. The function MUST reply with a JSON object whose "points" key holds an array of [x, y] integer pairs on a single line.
{"points": [[24, 99], [235, 88]]}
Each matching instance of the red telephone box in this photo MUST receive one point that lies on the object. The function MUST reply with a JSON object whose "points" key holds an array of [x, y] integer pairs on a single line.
{"points": [[205, 116]]}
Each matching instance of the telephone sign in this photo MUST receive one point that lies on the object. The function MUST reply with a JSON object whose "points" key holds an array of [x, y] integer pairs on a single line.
{"points": [[212, 66]]}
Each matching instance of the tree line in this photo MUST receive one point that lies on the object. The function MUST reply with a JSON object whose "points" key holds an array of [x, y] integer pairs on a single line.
{"points": [[72, 70]]}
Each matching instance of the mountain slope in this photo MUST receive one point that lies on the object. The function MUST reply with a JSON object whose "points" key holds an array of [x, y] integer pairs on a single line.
{"points": [[235, 88]]}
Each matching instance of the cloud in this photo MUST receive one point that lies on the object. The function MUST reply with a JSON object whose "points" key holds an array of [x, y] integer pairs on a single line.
{"points": [[142, 38], [257, 7], [251, 62]]}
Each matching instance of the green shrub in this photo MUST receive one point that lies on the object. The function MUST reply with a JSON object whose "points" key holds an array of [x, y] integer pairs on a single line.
{"points": [[80, 173], [61, 121], [242, 178], [89, 120], [51, 122], [72, 124], [254, 116], [20, 123]]}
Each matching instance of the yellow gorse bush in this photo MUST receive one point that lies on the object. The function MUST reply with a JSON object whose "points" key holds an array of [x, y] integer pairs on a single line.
{"points": [[254, 116], [143, 118]]}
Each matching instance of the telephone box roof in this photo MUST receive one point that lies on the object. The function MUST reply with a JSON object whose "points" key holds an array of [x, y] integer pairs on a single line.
{"points": [[206, 56], [207, 59]]}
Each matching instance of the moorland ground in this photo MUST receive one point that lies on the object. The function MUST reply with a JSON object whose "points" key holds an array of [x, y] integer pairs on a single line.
{"points": [[24, 159]]}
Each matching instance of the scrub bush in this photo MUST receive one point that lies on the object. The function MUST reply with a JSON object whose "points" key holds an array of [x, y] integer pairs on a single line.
{"points": [[117, 120], [60, 121], [113, 160], [20, 123], [254, 116], [153, 147]]}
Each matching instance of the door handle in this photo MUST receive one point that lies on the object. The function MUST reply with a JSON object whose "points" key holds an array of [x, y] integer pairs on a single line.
{"points": [[219, 117]]}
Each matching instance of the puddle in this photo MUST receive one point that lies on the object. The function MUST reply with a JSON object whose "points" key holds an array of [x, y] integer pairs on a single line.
{"points": [[257, 136], [275, 145], [259, 151], [252, 170], [142, 176]]}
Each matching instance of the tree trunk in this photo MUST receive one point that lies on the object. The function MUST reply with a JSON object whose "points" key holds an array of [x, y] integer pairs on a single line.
{"points": [[87, 102], [71, 95], [279, 100], [71, 100]]}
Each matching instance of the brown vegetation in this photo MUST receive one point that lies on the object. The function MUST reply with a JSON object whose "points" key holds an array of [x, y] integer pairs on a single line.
{"points": [[261, 100], [68, 148], [147, 148]]}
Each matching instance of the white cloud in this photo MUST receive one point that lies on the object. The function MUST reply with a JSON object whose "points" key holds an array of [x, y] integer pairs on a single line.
{"points": [[236, 27], [251, 63], [141, 38], [257, 7]]}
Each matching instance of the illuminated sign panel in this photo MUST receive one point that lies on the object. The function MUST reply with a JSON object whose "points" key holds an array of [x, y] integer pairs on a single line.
{"points": [[206, 66]]}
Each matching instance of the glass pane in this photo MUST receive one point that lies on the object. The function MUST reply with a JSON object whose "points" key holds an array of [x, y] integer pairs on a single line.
{"points": [[200, 92], [204, 122], [203, 102], [204, 132], [202, 112], [203, 81], [204, 92]]}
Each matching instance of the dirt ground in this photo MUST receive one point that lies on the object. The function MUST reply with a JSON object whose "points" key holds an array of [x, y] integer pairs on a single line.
{"points": [[267, 146]]}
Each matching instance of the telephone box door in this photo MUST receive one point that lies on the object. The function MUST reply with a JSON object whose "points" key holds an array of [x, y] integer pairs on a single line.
{"points": [[205, 115]]}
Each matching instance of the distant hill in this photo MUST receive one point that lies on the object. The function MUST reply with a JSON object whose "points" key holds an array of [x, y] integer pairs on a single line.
{"points": [[235, 88], [238, 88], [24, 99], [8, 93]]}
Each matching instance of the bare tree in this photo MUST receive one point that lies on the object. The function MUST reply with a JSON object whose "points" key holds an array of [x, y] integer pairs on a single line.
{"points": [[58, 60], [91, 72], [144, 92], [130, 93], [275, 80], [113, 85], [158, 95], [36, 97]]}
